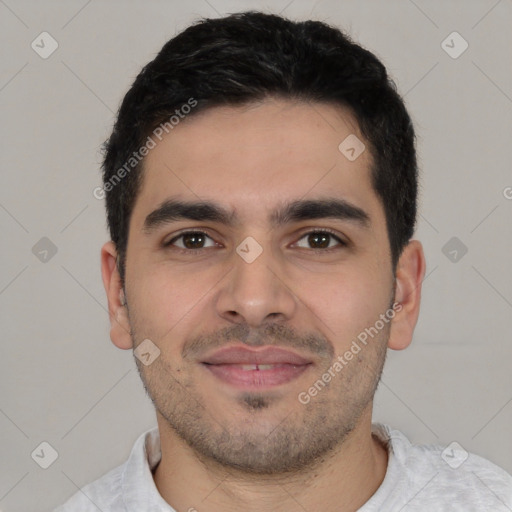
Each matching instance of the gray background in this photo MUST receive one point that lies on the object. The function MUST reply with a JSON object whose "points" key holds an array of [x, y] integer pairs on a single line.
{"points": [[63, 382]]}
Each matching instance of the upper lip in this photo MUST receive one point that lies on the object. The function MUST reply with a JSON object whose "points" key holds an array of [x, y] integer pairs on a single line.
{"points": [[245, 355]]}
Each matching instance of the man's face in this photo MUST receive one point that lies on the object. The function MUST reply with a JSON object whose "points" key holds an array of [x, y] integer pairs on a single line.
{"points": [[306, 292]]}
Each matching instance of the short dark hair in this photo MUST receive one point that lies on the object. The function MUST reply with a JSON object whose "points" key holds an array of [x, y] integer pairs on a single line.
{"points": [[248, 57]]}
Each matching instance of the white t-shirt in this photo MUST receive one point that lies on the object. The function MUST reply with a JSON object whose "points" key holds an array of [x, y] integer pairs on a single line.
{"points": [[418, 478]]}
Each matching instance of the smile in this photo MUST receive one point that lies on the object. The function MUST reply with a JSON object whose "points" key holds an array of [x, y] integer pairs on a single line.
{"points": [[256, 376]]}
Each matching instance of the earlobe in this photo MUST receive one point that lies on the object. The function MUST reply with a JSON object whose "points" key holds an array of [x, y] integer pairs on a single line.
{"points": [[119, 321], [409, 277]]}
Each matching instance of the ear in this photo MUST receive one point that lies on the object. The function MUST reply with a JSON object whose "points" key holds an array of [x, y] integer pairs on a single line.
{"points": [[119, 322], [409, 277]]}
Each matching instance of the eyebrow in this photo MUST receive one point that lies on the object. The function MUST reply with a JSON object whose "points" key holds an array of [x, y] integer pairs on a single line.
{"points": [[173, 210]]}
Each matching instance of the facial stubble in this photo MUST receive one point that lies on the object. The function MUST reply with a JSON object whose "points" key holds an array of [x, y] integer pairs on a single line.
{"points": [[267, 433]]}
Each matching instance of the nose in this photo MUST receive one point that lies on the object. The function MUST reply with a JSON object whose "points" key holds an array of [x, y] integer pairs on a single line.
{"points": [[256, 293]]}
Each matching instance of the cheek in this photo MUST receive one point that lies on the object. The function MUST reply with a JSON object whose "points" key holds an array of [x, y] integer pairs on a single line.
{"points": [[347, 301], [162, 297]]}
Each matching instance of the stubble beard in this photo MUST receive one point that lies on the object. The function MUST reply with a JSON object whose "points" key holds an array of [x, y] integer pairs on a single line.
{"points": [[256, 440]]}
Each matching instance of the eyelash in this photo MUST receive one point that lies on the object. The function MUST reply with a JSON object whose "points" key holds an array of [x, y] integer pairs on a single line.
{"points": [[341, 242]]}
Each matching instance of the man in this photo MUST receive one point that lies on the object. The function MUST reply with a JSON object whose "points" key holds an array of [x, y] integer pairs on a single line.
{"points": [[261, 187]]}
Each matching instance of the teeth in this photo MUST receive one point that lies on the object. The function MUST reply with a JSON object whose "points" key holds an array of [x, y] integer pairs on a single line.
{"points": [[257, 366], [249, 367]]}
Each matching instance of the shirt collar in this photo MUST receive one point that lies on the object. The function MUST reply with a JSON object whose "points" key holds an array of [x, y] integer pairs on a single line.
{"points": [[140, 492], [138, 487]]}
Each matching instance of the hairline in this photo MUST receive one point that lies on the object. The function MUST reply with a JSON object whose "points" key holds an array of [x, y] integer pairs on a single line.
{"points": [[201, 110]]}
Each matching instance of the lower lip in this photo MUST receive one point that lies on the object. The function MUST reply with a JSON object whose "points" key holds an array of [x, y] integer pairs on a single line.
{"points": [[256, 379]]}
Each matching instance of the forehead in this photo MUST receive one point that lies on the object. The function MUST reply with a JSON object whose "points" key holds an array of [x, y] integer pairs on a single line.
{"points": [[255, 156]]}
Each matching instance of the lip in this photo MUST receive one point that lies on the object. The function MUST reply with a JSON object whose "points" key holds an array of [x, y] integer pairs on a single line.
{"points": [[251, 369], [245, 355]]}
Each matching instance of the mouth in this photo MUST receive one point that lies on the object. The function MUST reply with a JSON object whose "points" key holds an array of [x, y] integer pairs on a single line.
{"points": [[262, 369]]}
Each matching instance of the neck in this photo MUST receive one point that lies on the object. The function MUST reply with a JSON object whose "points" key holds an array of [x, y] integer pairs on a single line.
{"points": [[342, 482]]}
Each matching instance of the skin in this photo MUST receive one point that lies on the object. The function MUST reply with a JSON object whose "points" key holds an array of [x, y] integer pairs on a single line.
{"points": [[225, 449]]}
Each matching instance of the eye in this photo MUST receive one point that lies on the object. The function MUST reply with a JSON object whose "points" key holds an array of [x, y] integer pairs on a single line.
{"points": [[191, 240], [321, 240]]}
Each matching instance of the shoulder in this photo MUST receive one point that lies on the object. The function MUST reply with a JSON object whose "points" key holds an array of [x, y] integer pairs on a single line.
{"points": [[101, 494], [129, 481], [449, 473]]}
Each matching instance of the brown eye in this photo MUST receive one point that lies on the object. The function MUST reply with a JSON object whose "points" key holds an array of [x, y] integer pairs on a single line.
{"points": [[191, 240], [320, 240]]}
